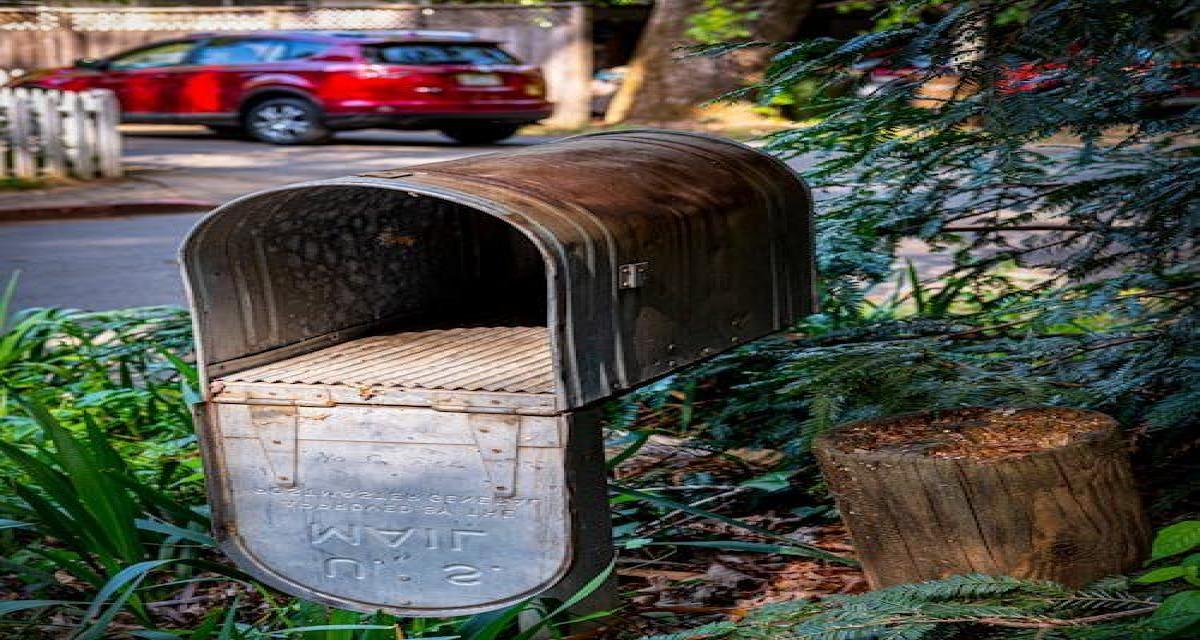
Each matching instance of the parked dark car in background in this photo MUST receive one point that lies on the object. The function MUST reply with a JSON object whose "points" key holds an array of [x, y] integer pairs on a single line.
{"points": [[296, 87]]}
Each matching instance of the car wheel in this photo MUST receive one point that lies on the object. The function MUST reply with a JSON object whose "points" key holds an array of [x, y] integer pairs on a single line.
{"points": [[480, 133], [286, 121]]}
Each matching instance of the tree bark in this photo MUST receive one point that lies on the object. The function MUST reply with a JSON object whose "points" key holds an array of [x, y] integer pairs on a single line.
{"points": [[1042, 493], [662, 85]]}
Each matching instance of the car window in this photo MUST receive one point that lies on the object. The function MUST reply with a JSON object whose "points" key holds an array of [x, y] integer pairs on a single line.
{"points": [[240, 51], [299, 49], [162, 55], [439, 54]]}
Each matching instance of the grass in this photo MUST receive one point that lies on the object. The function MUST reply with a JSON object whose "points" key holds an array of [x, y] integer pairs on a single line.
{"points": [[21, 184]]}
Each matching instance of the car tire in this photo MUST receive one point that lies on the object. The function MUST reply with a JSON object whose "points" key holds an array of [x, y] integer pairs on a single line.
{"points": [[286, 121], [480, 133]]}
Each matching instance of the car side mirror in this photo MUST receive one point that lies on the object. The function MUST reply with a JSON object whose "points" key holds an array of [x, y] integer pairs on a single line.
{"points": [[91, 63]]}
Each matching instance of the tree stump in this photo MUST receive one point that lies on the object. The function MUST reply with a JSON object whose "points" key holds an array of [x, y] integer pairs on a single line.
{"points": [[1044, 493]]}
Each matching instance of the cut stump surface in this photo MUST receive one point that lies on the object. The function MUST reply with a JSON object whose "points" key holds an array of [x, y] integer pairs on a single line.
{"points": [[1043, 493]]}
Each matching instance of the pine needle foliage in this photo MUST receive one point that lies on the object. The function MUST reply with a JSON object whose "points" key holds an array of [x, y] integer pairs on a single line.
{"points": [[1028, 143], [1162, 604], [976, 607]]}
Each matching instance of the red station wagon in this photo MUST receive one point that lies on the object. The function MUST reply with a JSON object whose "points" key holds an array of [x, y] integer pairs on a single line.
{"points": [[297, 87]]}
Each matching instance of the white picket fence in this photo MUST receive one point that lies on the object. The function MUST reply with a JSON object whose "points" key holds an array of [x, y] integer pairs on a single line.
{"points": [[55, 134], [10, 74]]}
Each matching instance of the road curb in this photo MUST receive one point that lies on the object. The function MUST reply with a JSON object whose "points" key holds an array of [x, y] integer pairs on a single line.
{"points": [[106, 210]]}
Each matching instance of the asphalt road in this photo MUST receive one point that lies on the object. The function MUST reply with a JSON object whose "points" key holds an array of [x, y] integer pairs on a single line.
{"points": [[108, 263], [189, 162], [96, 264]]}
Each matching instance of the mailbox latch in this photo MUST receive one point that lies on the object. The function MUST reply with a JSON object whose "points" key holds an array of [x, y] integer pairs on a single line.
{"points": [[276, 427], [632, 275], [497, 436]]}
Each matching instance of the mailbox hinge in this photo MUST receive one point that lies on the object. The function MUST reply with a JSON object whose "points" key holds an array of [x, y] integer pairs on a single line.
{"points": [[497, 436], [632, 275]]}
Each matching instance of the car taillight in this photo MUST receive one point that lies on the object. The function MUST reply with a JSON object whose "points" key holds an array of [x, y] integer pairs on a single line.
{"points": [[535, 86]]}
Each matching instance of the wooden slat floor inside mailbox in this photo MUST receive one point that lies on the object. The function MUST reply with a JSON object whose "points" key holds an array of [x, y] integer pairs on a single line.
{"points": [[402, 371], [469, 358]]}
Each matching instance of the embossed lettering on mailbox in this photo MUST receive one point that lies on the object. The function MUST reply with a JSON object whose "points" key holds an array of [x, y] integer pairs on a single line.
{"points": [[398, 504]]}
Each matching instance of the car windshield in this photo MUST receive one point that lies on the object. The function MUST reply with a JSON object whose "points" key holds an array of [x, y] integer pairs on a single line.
{"points": [[159, 55], [482, 54]]}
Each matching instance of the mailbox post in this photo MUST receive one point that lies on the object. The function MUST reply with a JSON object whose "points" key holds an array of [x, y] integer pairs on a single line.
{"points": [[401, 369]]}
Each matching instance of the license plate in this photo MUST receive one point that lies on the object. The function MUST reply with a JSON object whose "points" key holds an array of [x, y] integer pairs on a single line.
{"points": [[479, 80]]}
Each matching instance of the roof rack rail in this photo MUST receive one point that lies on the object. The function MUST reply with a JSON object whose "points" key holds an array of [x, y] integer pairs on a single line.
{"points": [[351, 33], [409, 33]]}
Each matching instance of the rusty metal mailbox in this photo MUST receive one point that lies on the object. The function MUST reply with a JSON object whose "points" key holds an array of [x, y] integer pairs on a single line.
{"points": [[400, 369]]}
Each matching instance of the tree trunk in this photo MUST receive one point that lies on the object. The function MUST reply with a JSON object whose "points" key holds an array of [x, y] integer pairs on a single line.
{"points": [[662, 85], [1043, 493]]}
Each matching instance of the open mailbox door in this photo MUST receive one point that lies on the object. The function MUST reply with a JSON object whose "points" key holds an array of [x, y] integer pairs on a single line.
{"points": [[401, 369]]}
